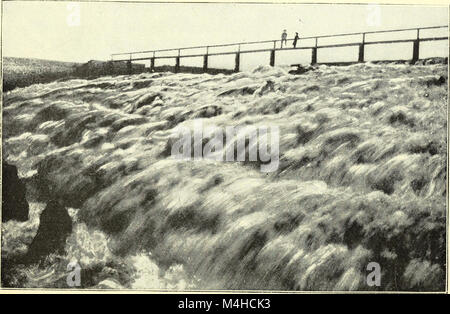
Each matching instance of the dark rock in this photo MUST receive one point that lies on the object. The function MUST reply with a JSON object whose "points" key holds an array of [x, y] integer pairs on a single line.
{"points": [[436, 81], [14, 202], [436, 60], [268, 87], [301, 69], [54, 228]]}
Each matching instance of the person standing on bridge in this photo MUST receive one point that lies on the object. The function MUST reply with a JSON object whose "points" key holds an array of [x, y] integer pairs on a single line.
{"points": [[295, 40], [283, 38]]}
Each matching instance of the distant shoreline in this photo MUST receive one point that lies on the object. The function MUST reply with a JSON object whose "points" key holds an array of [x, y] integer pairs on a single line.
{"points": [[23, 72]]}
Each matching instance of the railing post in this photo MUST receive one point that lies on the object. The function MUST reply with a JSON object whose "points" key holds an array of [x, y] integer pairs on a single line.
{"points": [[237, 62], [314, 54], [152, 64], [272, 58], [205, 60], [361, 49], [205, 63], [415, 56], [177, 64]]}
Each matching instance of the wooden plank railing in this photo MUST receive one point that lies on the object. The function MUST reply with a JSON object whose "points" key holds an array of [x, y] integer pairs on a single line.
{"points": [[239, 48]]}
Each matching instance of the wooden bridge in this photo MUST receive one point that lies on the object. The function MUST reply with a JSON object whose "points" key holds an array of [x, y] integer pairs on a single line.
{"points": [[240, 48]]}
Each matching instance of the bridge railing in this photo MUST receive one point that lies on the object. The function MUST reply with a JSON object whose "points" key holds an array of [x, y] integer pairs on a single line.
{"points": [[275, 45]]}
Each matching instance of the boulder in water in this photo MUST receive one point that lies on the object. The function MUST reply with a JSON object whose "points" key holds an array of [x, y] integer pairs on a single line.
{"points": [[14, 202], [54, 228], [301, 69]]}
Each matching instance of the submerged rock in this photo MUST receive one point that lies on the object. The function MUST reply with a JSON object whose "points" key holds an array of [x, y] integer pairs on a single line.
{"points": [[301, 69], [14, 202], [54, 228]]}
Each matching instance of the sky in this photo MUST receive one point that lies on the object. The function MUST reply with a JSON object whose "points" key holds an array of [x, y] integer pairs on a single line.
{"points": [[79, 32]]}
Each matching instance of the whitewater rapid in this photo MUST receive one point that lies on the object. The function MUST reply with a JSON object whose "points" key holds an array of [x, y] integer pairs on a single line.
{"points": [[361, 178]]}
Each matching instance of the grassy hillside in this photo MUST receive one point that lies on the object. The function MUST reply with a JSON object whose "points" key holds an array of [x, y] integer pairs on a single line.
{"points": [[362, 178], [20, 72]]}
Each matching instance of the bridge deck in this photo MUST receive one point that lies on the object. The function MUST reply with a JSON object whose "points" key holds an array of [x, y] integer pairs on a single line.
{"points": [[239, 48]]}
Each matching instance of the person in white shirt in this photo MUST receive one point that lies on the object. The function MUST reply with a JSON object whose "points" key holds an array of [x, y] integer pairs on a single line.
{"points": [[283, 38]]}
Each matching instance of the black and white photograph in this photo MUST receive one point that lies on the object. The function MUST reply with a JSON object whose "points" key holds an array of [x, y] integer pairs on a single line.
{"points": [[224, 146]]}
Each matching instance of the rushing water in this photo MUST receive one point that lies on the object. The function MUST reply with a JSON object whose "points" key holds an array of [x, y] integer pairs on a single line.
{"points": [[362, 178]]}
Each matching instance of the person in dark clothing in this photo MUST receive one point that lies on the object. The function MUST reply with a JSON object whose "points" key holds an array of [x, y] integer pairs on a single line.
{"points": [[295, 40]]}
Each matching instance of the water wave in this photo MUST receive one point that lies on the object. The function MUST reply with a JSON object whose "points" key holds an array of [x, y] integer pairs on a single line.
{"points": [[362, 178]]}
